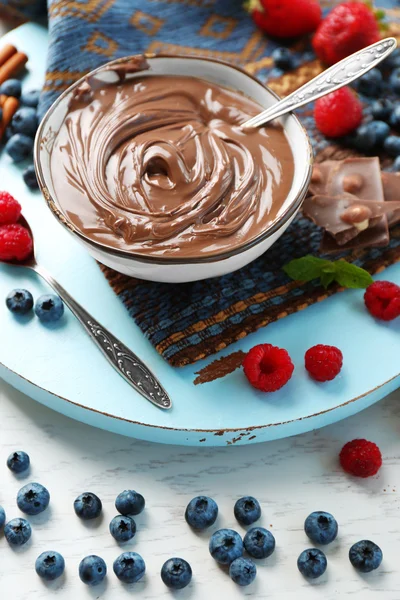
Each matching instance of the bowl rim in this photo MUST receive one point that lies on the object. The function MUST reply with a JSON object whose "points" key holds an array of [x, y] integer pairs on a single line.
{"points": [[164, 260]]}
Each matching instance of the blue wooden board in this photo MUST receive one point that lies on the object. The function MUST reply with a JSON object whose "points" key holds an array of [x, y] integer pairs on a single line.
{"points": [[59, 366]]}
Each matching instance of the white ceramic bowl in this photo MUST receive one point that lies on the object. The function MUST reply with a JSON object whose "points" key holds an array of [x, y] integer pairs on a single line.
{"points": [[166, 269]]}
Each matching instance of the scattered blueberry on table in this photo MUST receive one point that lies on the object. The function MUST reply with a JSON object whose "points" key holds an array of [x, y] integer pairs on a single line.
{"points": [[30, 98], [122, 528], [129, 502], [19, 147], [392, 145], [365, 556], [396, 164], [11, 87], [370, 84], [321, 527], [312, 563], [29, 176], [49, 308], [382, 109], [92, 570], [33, 498], [201, 512], [129, 567], [17, 532], [50, 565], [259, 542], [247, 510], [225, 546], [381, 131], [18, 461], [2, 517], [243, 571], [283, 59], [20, 302], [87, 506], [25, 121], [395, 81], [176, 573]]}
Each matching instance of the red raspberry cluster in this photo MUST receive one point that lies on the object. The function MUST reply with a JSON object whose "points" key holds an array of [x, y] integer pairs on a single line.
{"points": [[15, 240]]}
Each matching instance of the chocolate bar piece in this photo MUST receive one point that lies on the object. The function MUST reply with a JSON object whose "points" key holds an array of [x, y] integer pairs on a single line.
{"points": [[319, 177], [345, 216], [391, 191]]}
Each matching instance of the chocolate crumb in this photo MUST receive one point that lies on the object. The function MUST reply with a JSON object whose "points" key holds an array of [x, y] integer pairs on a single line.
{"points": [[220, 367]]}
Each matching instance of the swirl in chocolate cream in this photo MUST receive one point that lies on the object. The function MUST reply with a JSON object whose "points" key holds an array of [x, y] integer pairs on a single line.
{"points": [[158, 165]]}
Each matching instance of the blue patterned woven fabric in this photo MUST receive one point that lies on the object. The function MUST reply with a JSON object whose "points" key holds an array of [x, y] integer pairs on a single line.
{"points": [[188, 322]]}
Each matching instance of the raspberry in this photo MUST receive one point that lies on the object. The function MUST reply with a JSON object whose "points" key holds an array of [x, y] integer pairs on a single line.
{"points": [[338, 113], [10, 209], [382, 298], [349, 27], [285, 18], [323, 362], [15, 242], [361, 458], [267, 367]]}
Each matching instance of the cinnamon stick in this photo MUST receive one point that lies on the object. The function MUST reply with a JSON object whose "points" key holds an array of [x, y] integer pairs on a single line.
{"points": [[9, 108], [6, 52], [12, 66]]}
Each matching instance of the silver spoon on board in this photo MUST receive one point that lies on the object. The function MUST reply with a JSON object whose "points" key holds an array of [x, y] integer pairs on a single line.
{"points": [[342, 73], [125, 362]]}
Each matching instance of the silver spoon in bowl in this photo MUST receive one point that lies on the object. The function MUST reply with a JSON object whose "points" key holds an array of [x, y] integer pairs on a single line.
{"points": [[125, 362], [342, 73]]}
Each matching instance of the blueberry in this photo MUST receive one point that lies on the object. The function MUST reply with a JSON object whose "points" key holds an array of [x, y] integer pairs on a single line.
{"points": [[312, 563], [247, 510], [225, 546], [259, 542], [364, 139], [370, 84], [18, 461], [11, 87], [20, 302], [393, 60], [49, 308], [176, 573], [321, 527], [201, 512], [30, 98], [365, 556], [87, 506], [243, 571], [19, 147], [381, 130], [129, 567], [395, 118], [92, 570], [50, 565], [29, 176], [396, 165], [382, 109], [392, 145], [33, 498], [129, 502], [283, 59], [17, 532], [25, 121], [2, 517], [394, 81], [122, 528]]}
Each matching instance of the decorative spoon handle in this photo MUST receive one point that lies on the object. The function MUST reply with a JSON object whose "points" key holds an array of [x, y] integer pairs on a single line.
{"points": [[342, 73], [119, 356]]}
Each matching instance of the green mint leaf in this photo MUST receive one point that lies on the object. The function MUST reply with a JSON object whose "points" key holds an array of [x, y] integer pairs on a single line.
{"points": [[305, 268], [330, 268], [351, 276], [327, 279]]}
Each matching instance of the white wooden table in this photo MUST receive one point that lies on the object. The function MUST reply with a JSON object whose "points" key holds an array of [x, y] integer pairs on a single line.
{"points": [[291, 478]]}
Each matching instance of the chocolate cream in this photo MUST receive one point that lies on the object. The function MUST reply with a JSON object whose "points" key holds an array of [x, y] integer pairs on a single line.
{"points": [[158, 165]]}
